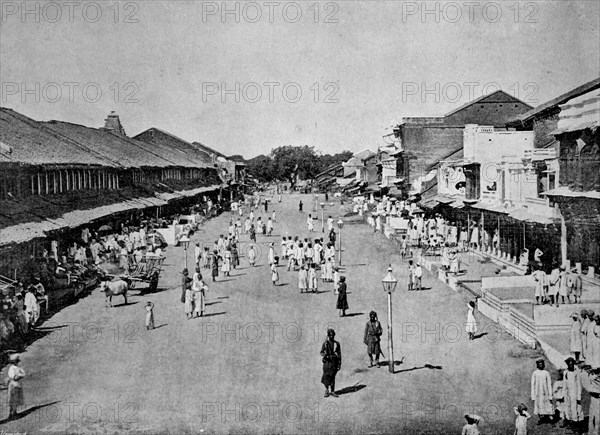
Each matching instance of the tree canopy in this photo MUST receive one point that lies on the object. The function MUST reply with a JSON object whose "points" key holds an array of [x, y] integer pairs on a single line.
{"points": [[291, 163]]}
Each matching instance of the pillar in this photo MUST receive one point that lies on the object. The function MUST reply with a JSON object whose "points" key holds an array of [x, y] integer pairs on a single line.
{"points": [[563, 236]]}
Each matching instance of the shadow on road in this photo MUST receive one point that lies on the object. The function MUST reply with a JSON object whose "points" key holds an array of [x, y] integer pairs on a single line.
{"points": [[223, 297], [426, 366], [124, 304], [215, 314], [351, 389], [208, 304], [354, 314], [160, 326], [25, 413], [387, 363], [475, 337]]}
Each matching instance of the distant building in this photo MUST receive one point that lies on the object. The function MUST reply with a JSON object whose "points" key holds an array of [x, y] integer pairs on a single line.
{"points": [[427, 140], [113, 123]]}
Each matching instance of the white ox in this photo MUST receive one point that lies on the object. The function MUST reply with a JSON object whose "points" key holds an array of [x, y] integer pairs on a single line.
{"points": [[114, 288]]}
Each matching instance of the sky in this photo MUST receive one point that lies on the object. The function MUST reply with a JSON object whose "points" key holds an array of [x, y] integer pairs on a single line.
{"points": [[246, 77]]}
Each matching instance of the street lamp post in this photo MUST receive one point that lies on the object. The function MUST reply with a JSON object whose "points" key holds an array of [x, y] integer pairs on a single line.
{"points": [[322, 217], [185, 241], [340, 224], [389, 285]]}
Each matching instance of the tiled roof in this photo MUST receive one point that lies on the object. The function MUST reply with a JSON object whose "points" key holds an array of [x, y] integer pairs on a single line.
{"points": [[156, 136], [121, 149], [555, 102], [482, 99], [208, 150], [31, 143]]}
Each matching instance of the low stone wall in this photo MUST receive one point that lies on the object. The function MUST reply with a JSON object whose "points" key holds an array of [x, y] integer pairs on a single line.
{"points": [[550, 318]]}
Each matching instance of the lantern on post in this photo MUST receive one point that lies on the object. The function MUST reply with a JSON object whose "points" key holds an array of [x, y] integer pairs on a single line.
{"points": [[389, 285], [185, 242], [322, 217]]}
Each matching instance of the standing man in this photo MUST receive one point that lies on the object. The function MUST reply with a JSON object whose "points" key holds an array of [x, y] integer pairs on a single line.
{"points": [[372, 338], [330, 224], [15, 391], [342, 300], [418, 277], [575, 341], [411, 275], [572, 392], [564, 288], [300, 206], [32, 308], [576, 284], [332, 363], [541, 393], [591, 383], [197, 253], [553, 284], [271, 256], [310, 223], [186, 283]]}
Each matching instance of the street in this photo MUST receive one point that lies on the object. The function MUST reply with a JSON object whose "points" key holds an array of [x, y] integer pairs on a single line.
{"points": [[252, 365]]}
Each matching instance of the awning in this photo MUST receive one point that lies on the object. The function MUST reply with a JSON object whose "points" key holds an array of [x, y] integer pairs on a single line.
{"points": [[352, 186], [527, 215], [429, 203], [443, 199], [167, 196], [457, 204], [495, 208], [25, 232], [565, 191], [343, 182]]}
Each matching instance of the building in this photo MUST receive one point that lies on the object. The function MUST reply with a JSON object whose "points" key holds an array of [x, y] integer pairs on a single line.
{"points": [[327, 179], [57, 178], [231, 171], [427, 140], [578, 193]]}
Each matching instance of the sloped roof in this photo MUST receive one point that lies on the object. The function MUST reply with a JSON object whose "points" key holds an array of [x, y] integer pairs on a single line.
{"points": [[156, 136], [121, 149], [364, 154], [32, 143], [208, 150], [482, 99], [555, 102], [333, 167]]}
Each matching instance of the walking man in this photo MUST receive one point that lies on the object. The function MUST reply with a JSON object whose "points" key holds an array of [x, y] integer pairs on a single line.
{"points": [[372, 338], [332, 363]]}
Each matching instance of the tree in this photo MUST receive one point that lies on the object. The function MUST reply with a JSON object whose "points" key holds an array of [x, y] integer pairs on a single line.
{"points": [[292, 162], [262, 168], [327, 160]]}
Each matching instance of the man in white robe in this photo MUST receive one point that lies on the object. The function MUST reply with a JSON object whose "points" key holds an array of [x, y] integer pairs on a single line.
{"points": [[572, 392], [541, 392]]}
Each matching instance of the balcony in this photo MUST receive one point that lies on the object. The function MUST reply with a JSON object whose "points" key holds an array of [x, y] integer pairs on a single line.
{"points": [[540, 154]]}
